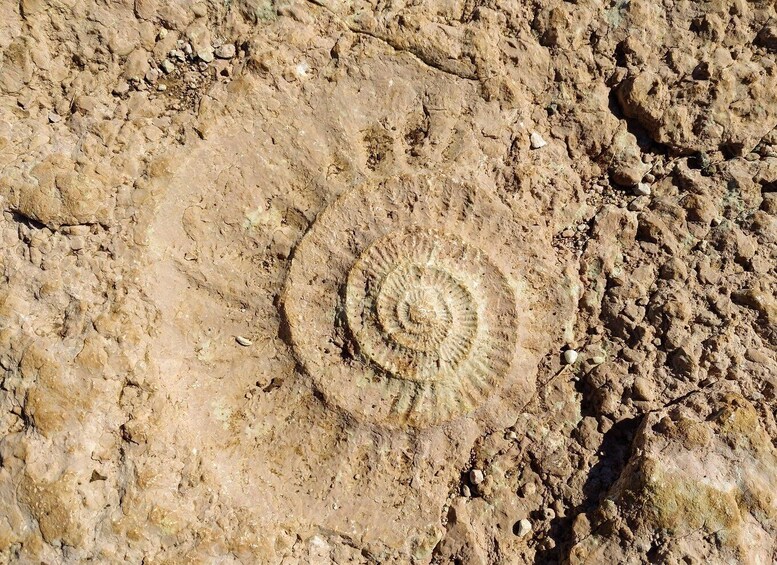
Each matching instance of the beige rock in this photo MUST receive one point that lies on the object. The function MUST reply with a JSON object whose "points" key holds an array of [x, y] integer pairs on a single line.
{"points": [[357, 193], [660, 489]]}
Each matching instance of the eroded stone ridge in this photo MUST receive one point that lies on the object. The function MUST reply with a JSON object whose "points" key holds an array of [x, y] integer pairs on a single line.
{"points": [[400, 304]]}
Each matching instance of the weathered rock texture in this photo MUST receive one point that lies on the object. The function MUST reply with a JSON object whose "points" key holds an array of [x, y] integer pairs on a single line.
{"points": [[290, 282]]}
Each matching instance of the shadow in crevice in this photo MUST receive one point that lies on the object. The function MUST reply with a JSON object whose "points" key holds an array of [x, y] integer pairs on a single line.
{"points": [[645, 141], [615, 450], [28, 221], [614, 454]]}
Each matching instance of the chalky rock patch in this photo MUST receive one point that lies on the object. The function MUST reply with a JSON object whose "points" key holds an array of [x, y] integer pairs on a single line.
{"points": [[406, 304]]}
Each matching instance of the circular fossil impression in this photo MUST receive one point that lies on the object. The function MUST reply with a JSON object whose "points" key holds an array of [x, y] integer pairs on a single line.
{"points": [[422, 305], [407, 303]]}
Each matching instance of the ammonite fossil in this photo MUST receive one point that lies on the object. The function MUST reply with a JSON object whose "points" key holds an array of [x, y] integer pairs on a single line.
{"points": [[408, 302]]}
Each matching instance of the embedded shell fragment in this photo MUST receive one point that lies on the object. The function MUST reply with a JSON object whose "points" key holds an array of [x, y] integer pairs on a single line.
{"points": [[409, 303]]}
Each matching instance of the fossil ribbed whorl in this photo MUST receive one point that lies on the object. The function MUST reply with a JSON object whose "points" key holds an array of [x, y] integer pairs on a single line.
{"points": [[421, 305], [401, 304]]}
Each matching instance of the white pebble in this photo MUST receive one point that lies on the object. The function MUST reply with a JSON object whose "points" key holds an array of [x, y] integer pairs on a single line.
{"points": [[302, 69], [161, 87], [244, 341], [54, 118], [524, 527], [226, 51], [205, 55], [642, 189], [476, 476], [598, 359], [537, 141], [168, 66], [570, 356]]}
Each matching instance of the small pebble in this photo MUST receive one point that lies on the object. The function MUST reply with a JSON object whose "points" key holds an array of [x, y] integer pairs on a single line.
{"points": [[527, 490], [465, 491], [570, 356], [200, 10], [77, 243], [205, 55], [168, 66], [642, 189], [643, 389], [161, 87], [162, 33], [476, 476], [245, 342], [121, 88], [598, 359], [77, 230], [226, 51], [152, 76], [649, 178], [54, 118], [637, 204], [537, 141], [522, 528]]}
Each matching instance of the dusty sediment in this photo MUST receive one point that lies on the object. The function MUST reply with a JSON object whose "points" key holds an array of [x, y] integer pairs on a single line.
{"points": [[424, 282]]}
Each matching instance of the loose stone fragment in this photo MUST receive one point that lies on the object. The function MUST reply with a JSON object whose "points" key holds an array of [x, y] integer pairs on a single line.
{"points": [[121, 88], [537, 141], [245, 342], [522, 528], [205, 55], [570, 356], [642, 189], [643, 389], [226, 51]]}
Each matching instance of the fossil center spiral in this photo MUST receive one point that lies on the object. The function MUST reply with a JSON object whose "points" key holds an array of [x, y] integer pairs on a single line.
{"points": [[412, 303]]}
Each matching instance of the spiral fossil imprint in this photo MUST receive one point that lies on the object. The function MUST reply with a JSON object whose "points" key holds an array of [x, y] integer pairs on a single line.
{"points": [[403, 304]]}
